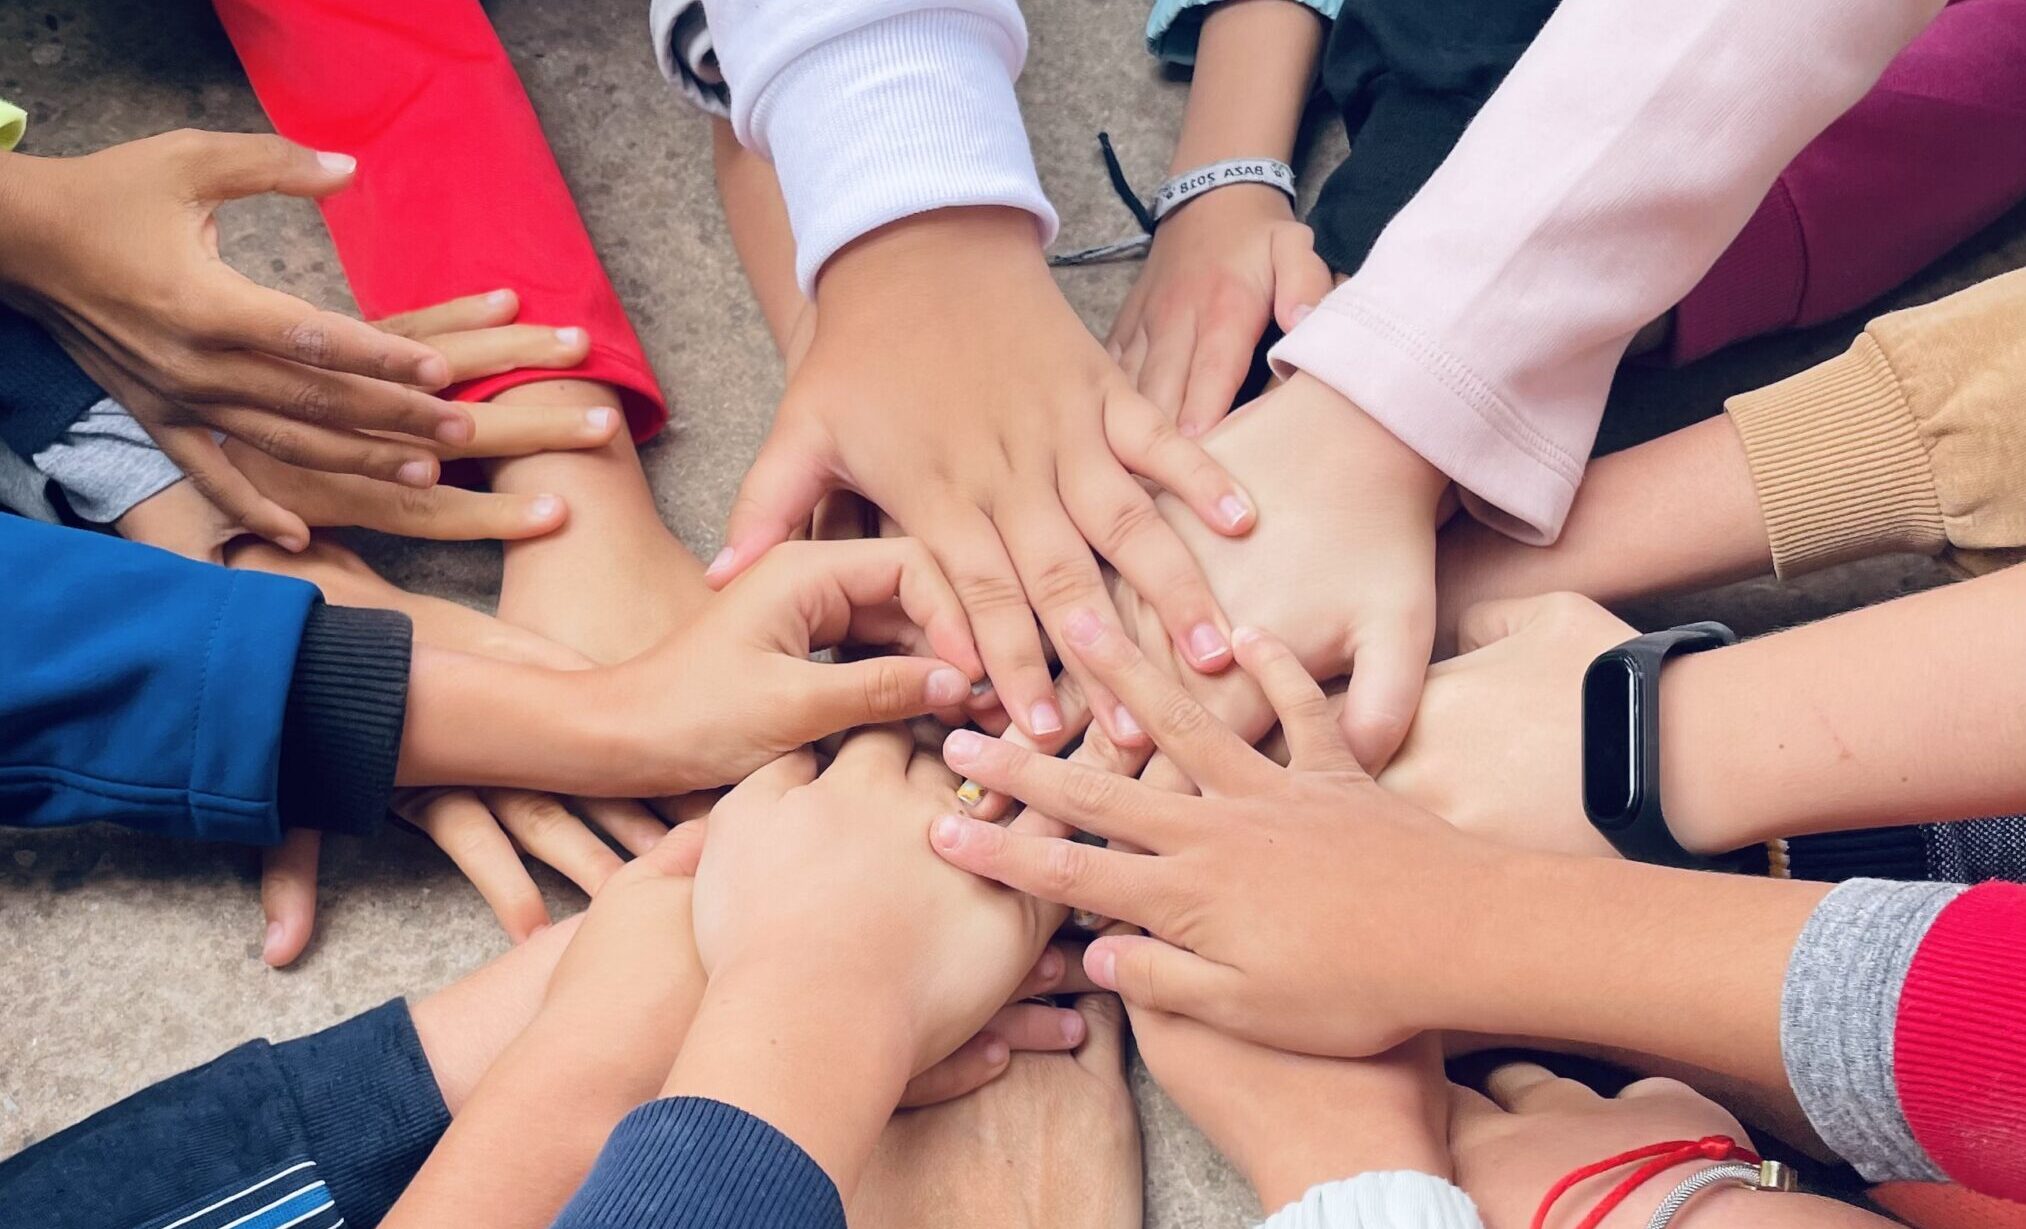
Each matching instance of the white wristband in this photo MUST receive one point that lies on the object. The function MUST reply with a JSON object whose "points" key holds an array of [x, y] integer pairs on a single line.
{"points": [[1189, 185]]}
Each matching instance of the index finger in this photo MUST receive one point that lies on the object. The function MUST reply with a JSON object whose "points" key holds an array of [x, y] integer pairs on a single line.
{"points": [[1203, 747], [870, 571]]}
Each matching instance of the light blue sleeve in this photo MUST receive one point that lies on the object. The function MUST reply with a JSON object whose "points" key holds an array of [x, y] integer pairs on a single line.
{"points": [[1173, 25]]}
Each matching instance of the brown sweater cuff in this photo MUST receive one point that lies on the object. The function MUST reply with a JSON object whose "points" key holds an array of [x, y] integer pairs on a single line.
{"points": [[1839, 465]]}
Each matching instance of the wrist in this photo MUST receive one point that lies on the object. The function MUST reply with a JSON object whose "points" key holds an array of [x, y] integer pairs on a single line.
{"points": [[477, 720], [1712, 799], [911, 265], [1378, 456]]}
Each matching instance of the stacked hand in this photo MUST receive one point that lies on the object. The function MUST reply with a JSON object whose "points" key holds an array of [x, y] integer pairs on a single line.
{"points": [[950, 383], [1220, 268], [116, 253]]}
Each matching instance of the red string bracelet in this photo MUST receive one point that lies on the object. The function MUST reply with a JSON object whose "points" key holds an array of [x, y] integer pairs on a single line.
{"points": [[1663, 1157]]}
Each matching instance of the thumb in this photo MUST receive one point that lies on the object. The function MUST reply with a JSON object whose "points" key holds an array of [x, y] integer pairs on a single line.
{"points": [[288, 896], [1104, 1037], [779, 495], [230, 165], [1387, 674], [875, 691], [1157, 976], [1300, 278], [679, 852], [1493, 621]]}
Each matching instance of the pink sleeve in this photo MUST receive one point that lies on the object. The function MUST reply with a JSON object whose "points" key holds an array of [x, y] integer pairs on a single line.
{"points": [[457, 192], [1959, 1044], [1620, 157], [1937, 150]]}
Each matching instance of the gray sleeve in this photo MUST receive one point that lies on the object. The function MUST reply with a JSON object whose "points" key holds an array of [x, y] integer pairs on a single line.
{"points": [[682, 46], [106, 463], [1837, 1015]]}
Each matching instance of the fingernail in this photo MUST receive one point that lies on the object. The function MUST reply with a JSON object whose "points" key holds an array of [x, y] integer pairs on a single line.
{"points": [[1103, 967], [291, 543], [721, 561], [962, 747], [601, 420], [995, 1051], [945, 687], [1088, 919], [1234, 510], [1190, 429], [1044, 718], [1083, 628], [544, 508], [981, 689], [1208, 644], [1050, 966], [1301, 313], [416, 473], [1245, 635], [499, 298], [1072, 1028], [433, 371], [338, 164], [571, 336], [948, 833], [272, 941], [970, 793], [454, 430], [1127, 727]]}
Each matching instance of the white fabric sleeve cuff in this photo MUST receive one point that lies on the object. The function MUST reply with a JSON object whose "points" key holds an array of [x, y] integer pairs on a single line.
{"points": [[907, 114], [683, 48], [1391, 1199]]}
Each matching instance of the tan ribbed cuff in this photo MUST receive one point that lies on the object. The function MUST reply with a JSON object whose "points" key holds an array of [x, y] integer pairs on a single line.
{"points": [[1838, 463]]}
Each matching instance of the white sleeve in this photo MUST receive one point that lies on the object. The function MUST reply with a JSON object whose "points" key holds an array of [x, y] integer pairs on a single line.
{"points": [[875, 110], [1617, 161], [1392, 1199]]}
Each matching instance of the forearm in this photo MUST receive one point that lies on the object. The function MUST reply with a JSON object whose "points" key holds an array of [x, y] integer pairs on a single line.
{"points": [[475, 720], [1682, 965], [758, 219], [825, 1080], [1254, 65], [468, 1024], [1837, 725], [1677, 514], [548, 1104], [615, 536]]}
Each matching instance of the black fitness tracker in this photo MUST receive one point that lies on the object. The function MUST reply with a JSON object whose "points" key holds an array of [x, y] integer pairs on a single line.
{"points": [[1621, 744]]}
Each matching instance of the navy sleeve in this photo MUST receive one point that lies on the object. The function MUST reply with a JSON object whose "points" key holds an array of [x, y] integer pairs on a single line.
{"points": [[701, 1164], [42, 391], [323, 1131], [141, 688]]}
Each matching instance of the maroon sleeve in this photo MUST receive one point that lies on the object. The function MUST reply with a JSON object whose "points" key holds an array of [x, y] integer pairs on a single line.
{"points": [[1935, 152], [1959, 1044], [457, 192]]}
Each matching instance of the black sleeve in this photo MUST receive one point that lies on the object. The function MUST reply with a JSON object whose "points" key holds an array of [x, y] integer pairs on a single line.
{"points": [[341, 732], [42, 391]]}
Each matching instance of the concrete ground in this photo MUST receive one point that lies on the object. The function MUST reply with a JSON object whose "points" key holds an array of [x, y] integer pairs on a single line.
{"points": [[123, 960]]}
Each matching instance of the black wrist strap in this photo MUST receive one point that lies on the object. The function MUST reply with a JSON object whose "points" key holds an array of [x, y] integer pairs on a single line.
{"points": [[1642, 834]]}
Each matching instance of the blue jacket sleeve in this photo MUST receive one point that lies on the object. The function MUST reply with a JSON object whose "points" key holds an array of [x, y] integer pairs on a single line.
{"points": [[693, 1163], [141, 688]]}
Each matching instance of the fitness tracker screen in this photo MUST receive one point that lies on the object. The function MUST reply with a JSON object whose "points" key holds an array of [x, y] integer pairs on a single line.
{"points": [[1610, 709]]}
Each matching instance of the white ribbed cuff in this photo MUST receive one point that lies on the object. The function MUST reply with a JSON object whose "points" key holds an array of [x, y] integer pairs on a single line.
{"points": [[904, 115], [1389, 1199]]}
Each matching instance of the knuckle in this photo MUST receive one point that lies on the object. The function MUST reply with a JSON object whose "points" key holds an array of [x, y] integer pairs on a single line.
{"points": [[1129, 520], [1090, 791], [1062, 867], [885, 691], [989, 593], [414, 502], [543, 818], [312, 402], [1181, 716], [283, 442], [308, 341], [1063, 580]]}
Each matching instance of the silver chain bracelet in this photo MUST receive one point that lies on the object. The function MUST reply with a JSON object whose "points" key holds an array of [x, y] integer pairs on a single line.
{"points": [[1765, 1176]]}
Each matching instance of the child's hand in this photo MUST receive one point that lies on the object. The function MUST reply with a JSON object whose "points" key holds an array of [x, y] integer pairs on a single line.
{"points": [[950, 383], [827, 882], [475, 336], [117, 253], [1515, 1141], [734, 689], [1243, 885], [1470, 761], [1221, 266]]}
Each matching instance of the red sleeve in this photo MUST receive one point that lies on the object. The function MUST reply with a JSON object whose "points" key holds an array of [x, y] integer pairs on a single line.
{"points": [[1959, 1044], [457, 192], [1934, 153]]}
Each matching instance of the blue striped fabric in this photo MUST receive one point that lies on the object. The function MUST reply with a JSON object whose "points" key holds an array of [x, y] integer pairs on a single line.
{"points": [[291, 1196]]}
